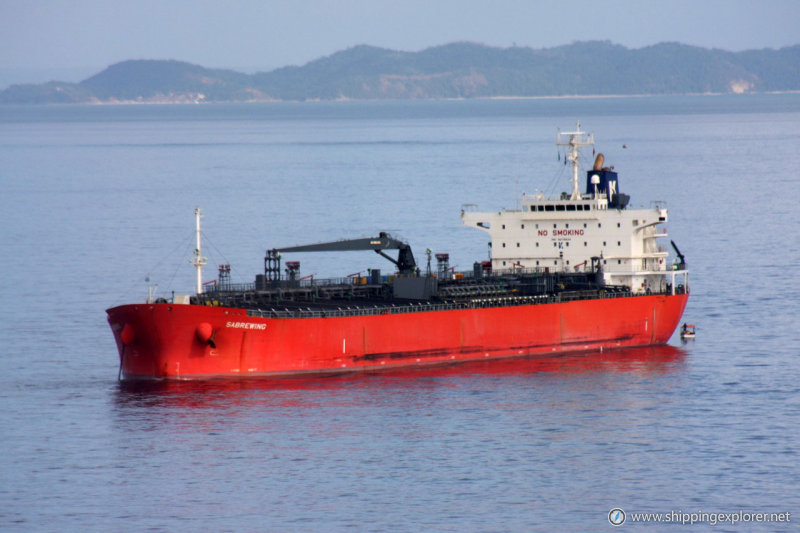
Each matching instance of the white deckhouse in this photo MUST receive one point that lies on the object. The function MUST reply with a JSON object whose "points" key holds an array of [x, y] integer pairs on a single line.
{"points": [[572, 232]]}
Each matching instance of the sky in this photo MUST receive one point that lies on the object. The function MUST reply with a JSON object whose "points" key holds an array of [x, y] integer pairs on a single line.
{"points": [[70, 40]]}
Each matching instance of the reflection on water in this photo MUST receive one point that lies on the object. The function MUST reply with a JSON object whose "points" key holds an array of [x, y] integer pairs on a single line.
{"points": [[483, 440], [649, 360]]}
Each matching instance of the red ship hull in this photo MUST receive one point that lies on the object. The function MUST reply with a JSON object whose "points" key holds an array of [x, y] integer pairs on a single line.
{"points": [[168, 341]]}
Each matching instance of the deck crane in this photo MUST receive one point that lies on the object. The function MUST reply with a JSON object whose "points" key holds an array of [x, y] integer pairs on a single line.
{"points": [[405, 259]]}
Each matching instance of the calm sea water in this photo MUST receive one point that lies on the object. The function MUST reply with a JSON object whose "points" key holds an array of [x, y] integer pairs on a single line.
{"points": [[96, 199]]}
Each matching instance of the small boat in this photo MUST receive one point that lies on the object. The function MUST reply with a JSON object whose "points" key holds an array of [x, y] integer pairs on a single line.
{"points": [[687, 331]]}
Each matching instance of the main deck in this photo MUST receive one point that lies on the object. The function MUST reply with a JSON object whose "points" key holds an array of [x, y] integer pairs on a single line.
{"points": [[363, 296]]}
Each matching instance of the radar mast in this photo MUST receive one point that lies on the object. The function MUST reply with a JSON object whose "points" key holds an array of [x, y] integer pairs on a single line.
{"points": [[574, 139]]}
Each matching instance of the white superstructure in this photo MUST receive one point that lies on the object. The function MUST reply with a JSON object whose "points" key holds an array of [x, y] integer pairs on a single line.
{"points": [[569, 233]]}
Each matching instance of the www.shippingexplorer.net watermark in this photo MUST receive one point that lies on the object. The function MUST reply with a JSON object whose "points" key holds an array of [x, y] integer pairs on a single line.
{"points": [[617, 517]]}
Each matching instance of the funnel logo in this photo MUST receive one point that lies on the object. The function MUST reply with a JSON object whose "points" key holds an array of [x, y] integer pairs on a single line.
{"points": [[616, 516]]}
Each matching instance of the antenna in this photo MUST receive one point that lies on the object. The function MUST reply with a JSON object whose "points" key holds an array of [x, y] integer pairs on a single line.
{"points": [[428, 252], [574, 139]]}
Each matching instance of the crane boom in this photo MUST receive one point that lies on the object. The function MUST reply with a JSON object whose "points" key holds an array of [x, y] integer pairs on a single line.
{"points": [[681, 258], [405, 259]]}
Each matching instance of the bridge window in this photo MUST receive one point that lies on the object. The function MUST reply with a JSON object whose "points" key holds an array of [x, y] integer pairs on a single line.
{"points": [[561, 208]]}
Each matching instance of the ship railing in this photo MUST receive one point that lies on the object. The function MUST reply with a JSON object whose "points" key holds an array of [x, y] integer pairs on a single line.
{"points": [[285, 283], [679, 281], [229, 287], [215, 287], [498, 272], [328, 282], [540, 270], [354, 310], [422, 307]]}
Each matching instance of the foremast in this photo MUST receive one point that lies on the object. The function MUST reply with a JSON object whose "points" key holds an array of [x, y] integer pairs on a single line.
{"points": [[199, 261]]}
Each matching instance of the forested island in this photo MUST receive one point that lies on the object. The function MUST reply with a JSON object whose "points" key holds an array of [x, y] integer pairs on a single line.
{"points": [[456, 70]]}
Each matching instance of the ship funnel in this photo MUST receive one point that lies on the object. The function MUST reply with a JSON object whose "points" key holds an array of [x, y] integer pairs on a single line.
{"points": [[598, 162]]}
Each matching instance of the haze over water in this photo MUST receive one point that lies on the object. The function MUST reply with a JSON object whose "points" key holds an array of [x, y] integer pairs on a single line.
{"points": [[96, 199]]}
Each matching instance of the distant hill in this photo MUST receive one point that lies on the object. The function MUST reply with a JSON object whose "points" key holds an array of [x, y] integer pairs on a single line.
{"points": [[456, 70]]}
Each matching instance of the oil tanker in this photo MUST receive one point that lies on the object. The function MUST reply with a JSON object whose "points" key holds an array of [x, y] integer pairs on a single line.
{"points": [[580, 271]]}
